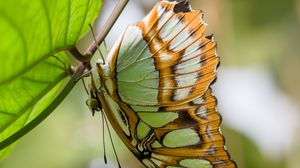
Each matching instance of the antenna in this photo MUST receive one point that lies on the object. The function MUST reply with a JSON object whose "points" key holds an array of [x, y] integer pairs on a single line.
{"points": [[110, 137], [103, 138], [93, 33]]}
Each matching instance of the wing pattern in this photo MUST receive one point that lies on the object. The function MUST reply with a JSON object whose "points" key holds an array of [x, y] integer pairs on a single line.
{"points": [[156, 90]]}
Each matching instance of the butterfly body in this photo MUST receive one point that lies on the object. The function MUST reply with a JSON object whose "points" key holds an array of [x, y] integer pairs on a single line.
{"points": [[155, 90]]}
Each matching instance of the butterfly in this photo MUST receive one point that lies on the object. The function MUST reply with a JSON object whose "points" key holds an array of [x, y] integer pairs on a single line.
{"points": [[155, 88]]}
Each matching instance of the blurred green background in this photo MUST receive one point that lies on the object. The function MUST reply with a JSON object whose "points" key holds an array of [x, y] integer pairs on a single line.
{"points": [[257, 88]]}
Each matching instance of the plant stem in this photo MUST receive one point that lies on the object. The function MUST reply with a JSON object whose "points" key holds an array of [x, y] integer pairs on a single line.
{"points": [[78, 55]]}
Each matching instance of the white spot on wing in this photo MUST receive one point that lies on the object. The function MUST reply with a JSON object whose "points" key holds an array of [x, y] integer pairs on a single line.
{"points": [[181, 94], [160, 10], [168, 28], [202, 112], [211, 150], [208, 132], [179, 39], [189, 40], [164, 18], [191, 65], [186, 80], [174, 32], [165, 57], [192, 51], [200, 100]]}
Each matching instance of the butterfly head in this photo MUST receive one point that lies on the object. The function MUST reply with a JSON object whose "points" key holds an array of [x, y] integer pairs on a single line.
{"points": [[93, 102]]}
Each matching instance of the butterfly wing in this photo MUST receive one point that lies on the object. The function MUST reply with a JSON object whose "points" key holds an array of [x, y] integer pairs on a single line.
{"points": [[157, 90]]}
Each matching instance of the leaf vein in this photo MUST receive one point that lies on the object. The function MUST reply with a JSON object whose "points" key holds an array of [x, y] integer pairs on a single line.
{"points": [[68, 21], [36, 81], [20, 34], [48, 24], [34, 101], [85, 17], [6, 113]]}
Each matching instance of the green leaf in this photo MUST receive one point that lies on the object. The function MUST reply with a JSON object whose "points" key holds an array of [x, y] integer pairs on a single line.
{"points": [[31, 79]]}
